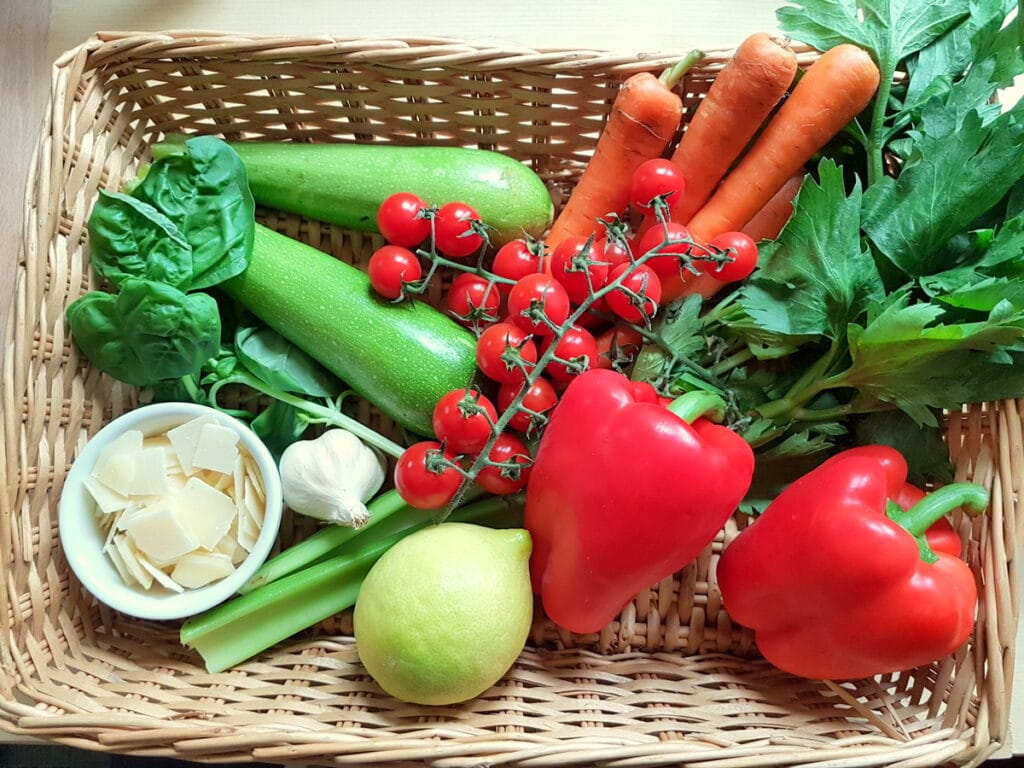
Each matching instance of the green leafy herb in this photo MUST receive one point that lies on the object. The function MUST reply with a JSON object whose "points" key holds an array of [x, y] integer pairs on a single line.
{"points": [[281, 364], [923, 447], [818, 276], [278, 426], [130, 238], [905, 356], [148, 332], [956, 172], [204, 190]]}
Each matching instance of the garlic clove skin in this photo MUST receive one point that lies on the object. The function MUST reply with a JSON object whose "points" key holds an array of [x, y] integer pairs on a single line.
{"points": [[331, 477]]}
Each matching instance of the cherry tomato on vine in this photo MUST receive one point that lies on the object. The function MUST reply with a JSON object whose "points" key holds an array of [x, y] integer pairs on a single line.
{"points": [[464, 420], [499, 347], [453, 234], [515, 259], [667, 261], [569, 267], [618, 345], [744, 253], [578, 345], [400, 221], [615, 252], [641, 281], [473, 300], [390, 267], [654, 178], [544, 292], [507, 448], [539, 398], [422, 478]]}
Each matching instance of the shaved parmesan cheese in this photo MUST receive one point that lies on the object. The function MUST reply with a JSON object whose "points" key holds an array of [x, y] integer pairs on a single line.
{"points": [[158, 532], [200, 568], [204, 511], [216, 449], [107, 499], [131, 561], [159, 576], [178, 510], [185, 439], [149, 476]]}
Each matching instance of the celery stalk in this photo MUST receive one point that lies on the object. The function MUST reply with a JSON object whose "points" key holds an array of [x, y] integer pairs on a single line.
{"points": [[387, 507], [254, 622], [239, 629]]}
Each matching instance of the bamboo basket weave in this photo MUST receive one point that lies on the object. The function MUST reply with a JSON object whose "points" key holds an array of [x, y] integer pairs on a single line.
{"points": [[671, 681]]}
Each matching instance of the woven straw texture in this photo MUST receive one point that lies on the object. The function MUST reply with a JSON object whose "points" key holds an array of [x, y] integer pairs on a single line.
{"points": [[672, 680]]}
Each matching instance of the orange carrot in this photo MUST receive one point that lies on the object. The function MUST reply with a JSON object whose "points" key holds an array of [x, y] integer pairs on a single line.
{"points": [[767, 223], [643, 121], [834, 90], [742, 96]]}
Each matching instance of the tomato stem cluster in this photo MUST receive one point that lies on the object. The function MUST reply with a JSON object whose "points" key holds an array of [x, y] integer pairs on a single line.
{"points": [[547, 294]]}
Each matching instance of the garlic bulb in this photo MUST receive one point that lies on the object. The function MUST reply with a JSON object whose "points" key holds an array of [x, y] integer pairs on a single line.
{"points": [[331, 478]]}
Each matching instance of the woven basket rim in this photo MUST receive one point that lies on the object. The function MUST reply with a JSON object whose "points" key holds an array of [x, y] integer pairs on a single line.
{"points": [[198, 736]]}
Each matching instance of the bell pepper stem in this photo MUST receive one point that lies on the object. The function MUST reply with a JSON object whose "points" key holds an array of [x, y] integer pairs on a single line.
{"points": [[693, 405], [916, 520], [971, 496]]}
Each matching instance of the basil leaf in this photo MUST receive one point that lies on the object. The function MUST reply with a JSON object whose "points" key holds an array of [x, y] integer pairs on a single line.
{"points": [[204, 190], [278, 426], [146, 333], [130, 238], [282, 365], [817, 276]]}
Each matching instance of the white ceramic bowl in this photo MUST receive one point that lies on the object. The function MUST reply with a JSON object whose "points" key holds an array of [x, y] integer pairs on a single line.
{"points": [[82, 538]]}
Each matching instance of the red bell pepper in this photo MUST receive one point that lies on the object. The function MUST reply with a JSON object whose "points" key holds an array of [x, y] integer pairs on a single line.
{"points": [[623, 492], [852, 572]]}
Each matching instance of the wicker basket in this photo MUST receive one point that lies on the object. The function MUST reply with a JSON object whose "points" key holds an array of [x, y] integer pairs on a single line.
{"points": [[672, 680]]}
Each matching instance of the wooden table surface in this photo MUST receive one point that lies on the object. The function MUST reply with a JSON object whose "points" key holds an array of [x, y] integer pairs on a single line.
{"points": [[34, 32]]}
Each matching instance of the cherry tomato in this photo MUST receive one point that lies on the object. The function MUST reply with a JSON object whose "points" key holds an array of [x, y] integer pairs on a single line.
{"points": [[515, 259], [618, 346], [640, 280], [569, 267], [390, 267], [577, 345], [498, 348], [473, 300], [453, 234], [744, 252], [400, 220], [507, 448], [667, 261], [539, 398], [421, 477], [652, 179], [615, 252], [464, 420], [541, 291]]}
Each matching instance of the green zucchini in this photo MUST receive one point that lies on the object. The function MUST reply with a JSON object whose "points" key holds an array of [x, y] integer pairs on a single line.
{"points": [[344, 184], [402, 357]]}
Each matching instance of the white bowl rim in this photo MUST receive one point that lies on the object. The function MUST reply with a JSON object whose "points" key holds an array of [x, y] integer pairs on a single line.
{"points": [[101, 579]]}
